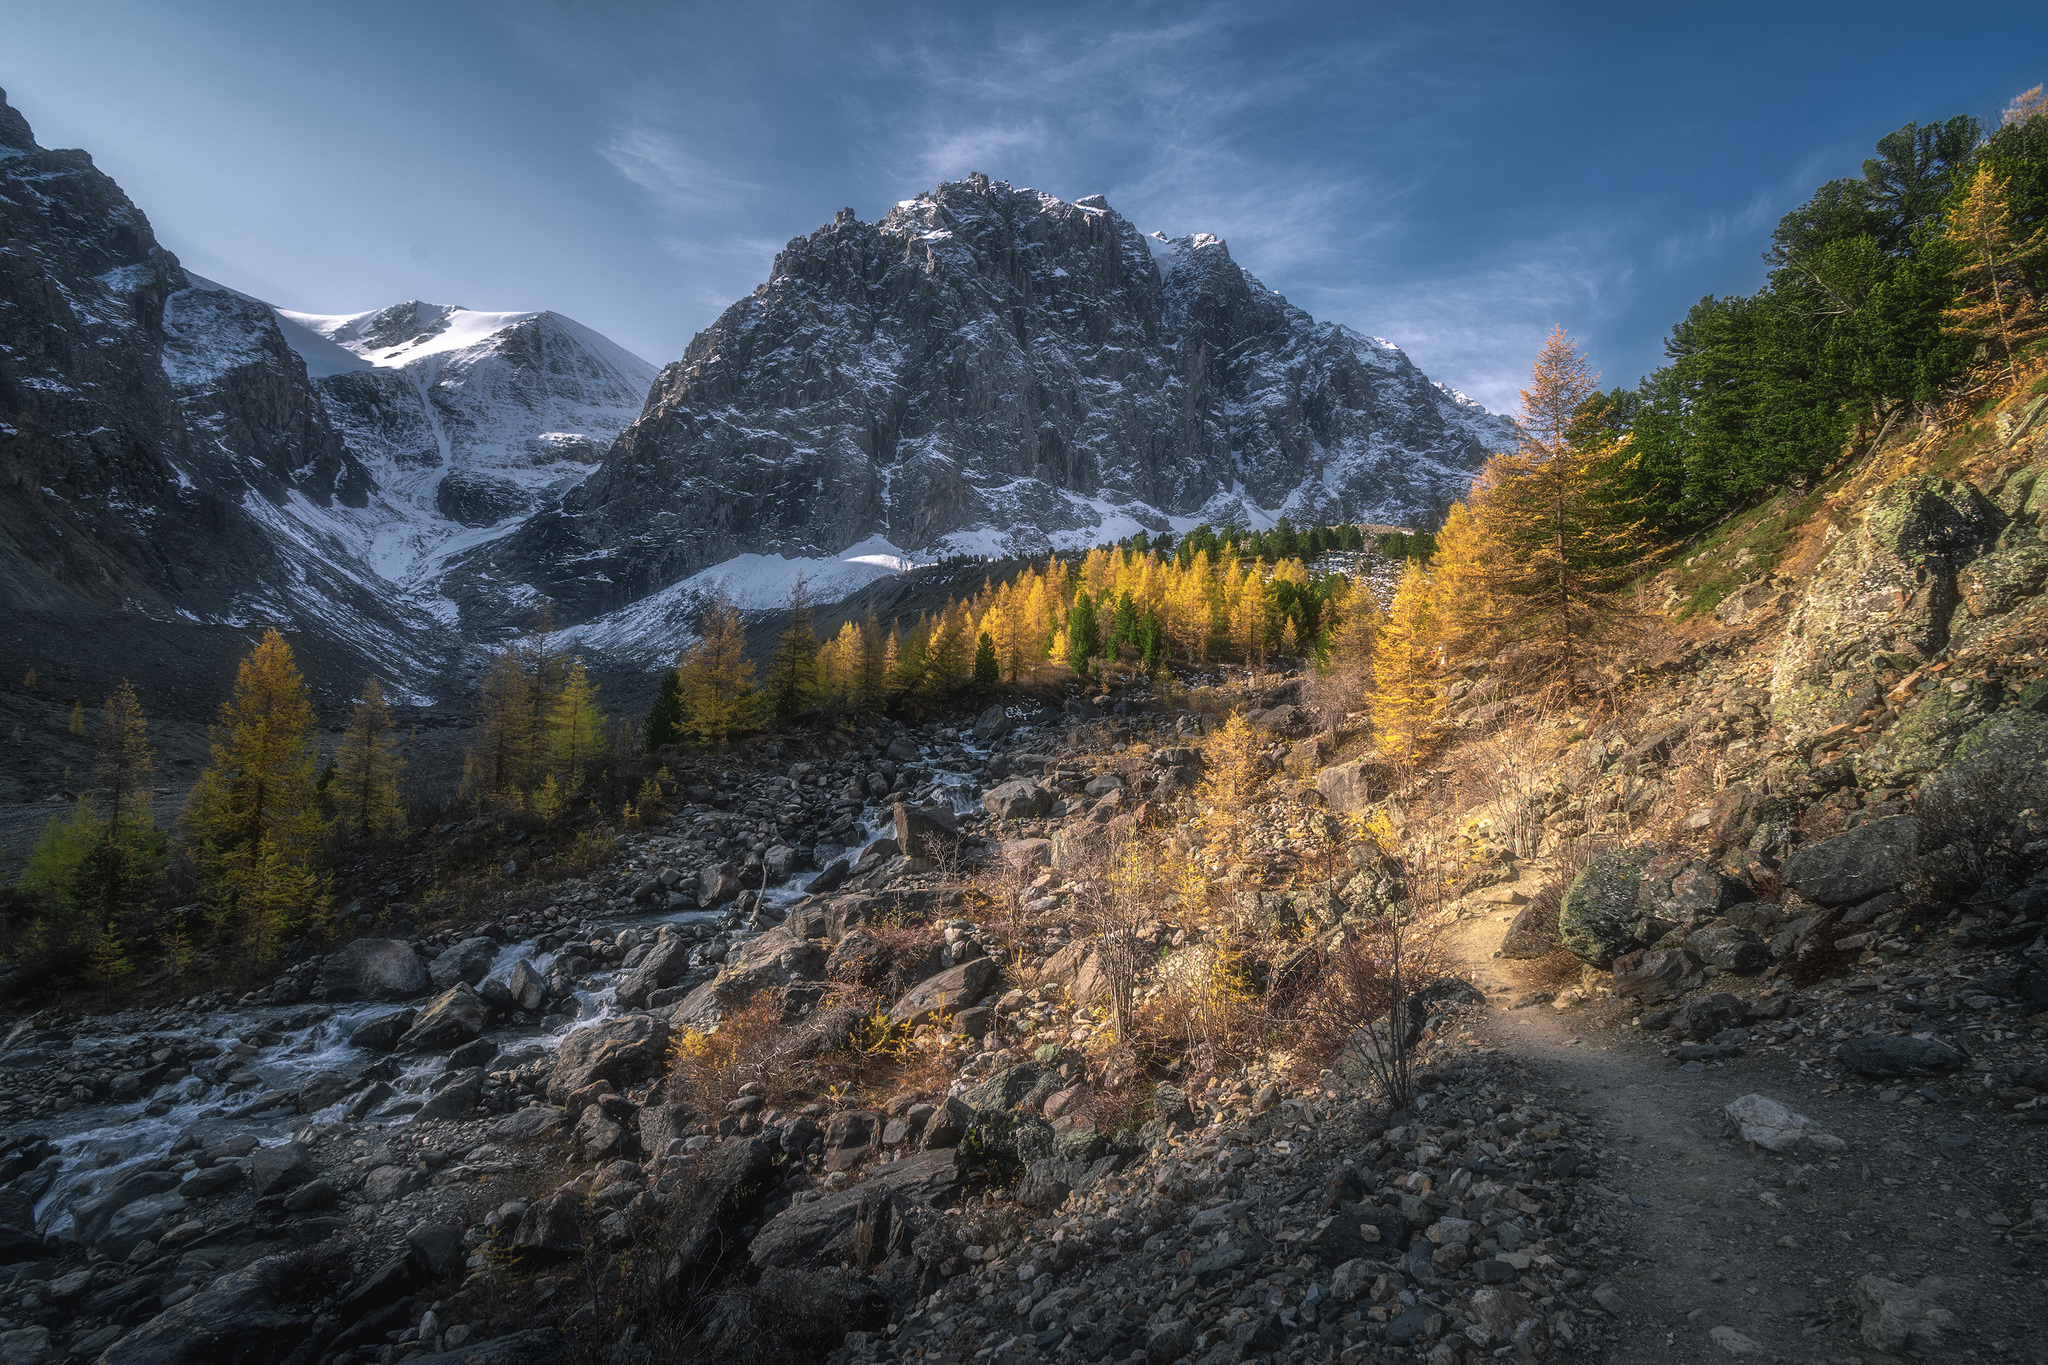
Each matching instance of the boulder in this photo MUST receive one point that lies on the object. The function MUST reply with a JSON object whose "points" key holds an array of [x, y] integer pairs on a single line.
{"points": [[1775, 1128], [849, 1136], [456, 1095], [1533, 931], [773, 959], [951, 990], [536, 1120], [1730, 949], [1704, 1017], [661, 1124], [321, 1089], [1020, 799], [454, 1017], [831, 879], [925, 833], [143, 1219], [275, 1169], [991, 724], [805, 1233], [535, 1346], [1656, 976], [387, 1183], [236, 1320], [1855, 865], [1885, 1058], [1027, 855], [374, 969], [1349, 786], [717, 884], [1597, 918], [466, 962], [663, 966], [599, 1136], [553, 1222], [527, 987], [624, 1051]]}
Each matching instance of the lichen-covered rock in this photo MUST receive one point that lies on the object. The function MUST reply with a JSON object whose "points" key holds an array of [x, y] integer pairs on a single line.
{"points": [[1857, 864], [1731, 949], [1597, 918]]}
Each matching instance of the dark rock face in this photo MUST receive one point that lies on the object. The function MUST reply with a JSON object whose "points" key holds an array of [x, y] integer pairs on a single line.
{"points": [[1856, 865], [992, 360]]}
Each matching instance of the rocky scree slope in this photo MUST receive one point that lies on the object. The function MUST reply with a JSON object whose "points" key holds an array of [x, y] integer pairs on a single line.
{"points": [[993, 370]]}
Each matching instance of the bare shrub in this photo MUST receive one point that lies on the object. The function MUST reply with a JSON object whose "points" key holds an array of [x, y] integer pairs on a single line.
{"points": [[1206, 1014], [1979, 815], [708, 1067], [1510, 770]]}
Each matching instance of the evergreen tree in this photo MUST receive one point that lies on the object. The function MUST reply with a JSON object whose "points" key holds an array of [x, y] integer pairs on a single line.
{"points": [[364, 792], [128, 856], [1083, 641], [792, 669], [717, 677], [668, 720], [1994, 303], [987, 672], [109, 958], [500, 762], [251, 824], [77, 718]]}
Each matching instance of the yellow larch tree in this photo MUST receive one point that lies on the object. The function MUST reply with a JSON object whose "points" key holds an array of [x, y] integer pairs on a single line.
{"points": [[1406, 711], [1993, 301]]}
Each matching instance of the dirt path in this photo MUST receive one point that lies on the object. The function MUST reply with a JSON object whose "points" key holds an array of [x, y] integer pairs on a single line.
{"points": [[1737, 1251]]}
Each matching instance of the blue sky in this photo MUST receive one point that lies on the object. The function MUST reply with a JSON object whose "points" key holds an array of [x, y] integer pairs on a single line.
{"points": [[1455, 177]]}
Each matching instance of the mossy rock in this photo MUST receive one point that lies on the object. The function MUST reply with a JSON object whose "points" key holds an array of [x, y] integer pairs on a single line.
{"points": [[1600, 909], [1927, 734]]}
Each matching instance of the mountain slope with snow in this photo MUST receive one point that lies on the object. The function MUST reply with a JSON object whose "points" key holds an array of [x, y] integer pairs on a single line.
{"points": [[995, 370]]}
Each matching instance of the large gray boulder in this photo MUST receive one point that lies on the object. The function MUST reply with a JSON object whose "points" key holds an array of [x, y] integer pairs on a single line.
{"points": [[466, 962], [236, 1320], [454, 1017], [776, 958], [1853, 866], [1597, 918], [1017, 800], [527, 987], [1348, 786], [664, 965], [624, 1051], [374, 969], [951, 990]]}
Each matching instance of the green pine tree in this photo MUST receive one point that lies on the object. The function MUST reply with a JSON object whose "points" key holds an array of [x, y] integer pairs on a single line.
{"points": [[666, 722], [987, 671]]}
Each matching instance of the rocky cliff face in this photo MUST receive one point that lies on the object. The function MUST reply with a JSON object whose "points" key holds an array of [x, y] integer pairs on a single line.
{"points": [[991, 369], [161, 445]]}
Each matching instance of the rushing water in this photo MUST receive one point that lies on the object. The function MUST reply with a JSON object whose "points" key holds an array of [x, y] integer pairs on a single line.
{"points": [[99, 1144]]}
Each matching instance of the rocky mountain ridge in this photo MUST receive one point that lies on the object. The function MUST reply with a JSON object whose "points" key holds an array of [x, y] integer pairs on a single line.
{"points": [[989, 369]]}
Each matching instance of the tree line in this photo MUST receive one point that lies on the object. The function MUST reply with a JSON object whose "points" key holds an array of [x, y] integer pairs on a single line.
{"points": [[248, 841], [1888, 291]]}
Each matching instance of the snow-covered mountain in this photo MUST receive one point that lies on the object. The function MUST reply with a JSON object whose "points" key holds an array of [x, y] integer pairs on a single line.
{"points": [[984, 369], [995, 370]]}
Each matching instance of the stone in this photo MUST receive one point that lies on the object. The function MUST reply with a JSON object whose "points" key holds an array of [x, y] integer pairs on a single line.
{"points": [[779, 957], [1734, 1342], [599, 1136], [1350, 786], [437, 1244], [624, 1051], [320, 1090], [452, 1018], [1018, 799], [1707, 1016], [1657, 975], [387, 1183], [527, 987], [663, 1123], [374, 969], [25, 1346], [1701, 891], [849, 1137], [381, 1032], [536, 1120], [1885, 1058], [925, 833], [1895, 1319], [1533, 932], [453, 1098], [802, 1233], [1731, 949], [1027, 855], [236, 1320], [1871, 858], [953, 989], [991, 724], [466, 962], [553, 1222], [275, 1169], [1597, 917], [312, 1196], [142, 1219], [1170, 1341], [664, 965], [1775, 1128], [717, 884]]}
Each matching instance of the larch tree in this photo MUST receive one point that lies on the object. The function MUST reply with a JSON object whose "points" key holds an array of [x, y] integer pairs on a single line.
{"points": [[1993, 302], [1236, 778], [364, 792], [1558, 546], [718, 677], [574, 738], [1406, 711], [252, 822]]}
